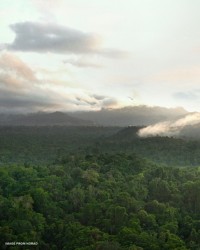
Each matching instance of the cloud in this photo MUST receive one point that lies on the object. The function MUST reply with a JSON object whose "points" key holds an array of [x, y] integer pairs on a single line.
{"points": [[43, 37], [15, 75], [99, 97], [54, 38], [22, 91], [11, 64], [109, 103], [97, 101], [170, 128], [15, 101], [82, 101]]}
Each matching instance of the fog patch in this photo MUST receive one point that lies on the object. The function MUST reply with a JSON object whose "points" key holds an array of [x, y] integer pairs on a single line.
{"points": [[170, 128]]}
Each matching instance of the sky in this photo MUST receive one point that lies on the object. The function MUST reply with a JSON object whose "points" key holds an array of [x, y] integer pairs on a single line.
{"points": [[73, 55]]}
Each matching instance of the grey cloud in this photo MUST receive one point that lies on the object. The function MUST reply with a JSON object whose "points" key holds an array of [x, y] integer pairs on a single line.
{"points": [[46, 37], [15, 101], [100, 101], [85, 101], [109, 102], [36, 99], [20, 90], [99, 97], [40, 37]]}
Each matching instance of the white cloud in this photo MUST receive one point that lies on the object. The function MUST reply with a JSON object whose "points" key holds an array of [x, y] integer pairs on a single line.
{"points": [[170, 128]]}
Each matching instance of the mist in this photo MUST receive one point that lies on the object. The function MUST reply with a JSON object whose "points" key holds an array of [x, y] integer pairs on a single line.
{"points": [[170, 128]]}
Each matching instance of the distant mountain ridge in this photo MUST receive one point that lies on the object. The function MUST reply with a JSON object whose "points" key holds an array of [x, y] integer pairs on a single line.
{"points": [[42, 119], [134, 116]]}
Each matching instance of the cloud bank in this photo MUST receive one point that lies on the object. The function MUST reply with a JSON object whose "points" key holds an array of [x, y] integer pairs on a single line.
{"points": [[170, 128], [22, 91]]}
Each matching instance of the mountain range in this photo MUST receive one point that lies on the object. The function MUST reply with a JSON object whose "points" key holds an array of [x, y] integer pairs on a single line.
{"points": [[42, 119], [134, 115]]}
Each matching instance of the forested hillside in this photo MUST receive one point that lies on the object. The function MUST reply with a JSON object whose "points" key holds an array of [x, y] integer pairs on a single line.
{"points": [[98, 189], [172, 151], [46, 144], [101, 201]]}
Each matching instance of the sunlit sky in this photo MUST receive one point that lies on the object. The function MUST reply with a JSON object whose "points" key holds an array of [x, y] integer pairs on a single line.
{"points": [[86, 55]]}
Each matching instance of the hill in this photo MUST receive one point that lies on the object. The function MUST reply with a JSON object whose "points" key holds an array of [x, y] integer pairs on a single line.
{"points": [[173, 151], [133, 115], [123, 117], [42, 119]]}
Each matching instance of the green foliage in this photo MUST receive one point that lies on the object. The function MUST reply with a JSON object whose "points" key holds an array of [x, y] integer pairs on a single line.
{"points": [[78, 200]]}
